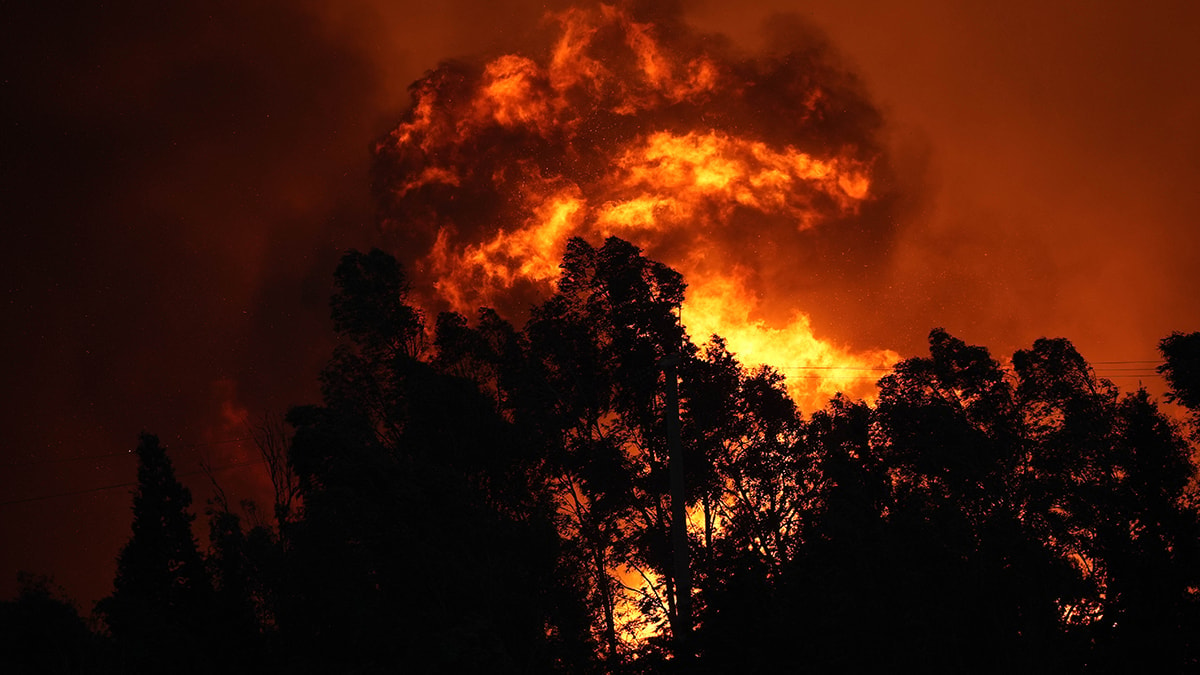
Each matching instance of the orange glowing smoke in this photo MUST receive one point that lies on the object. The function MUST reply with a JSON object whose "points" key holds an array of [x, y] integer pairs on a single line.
{"points": [[613, 129]]}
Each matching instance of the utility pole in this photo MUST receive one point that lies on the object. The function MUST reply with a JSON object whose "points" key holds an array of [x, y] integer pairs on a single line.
{"points": [[682, 626]]}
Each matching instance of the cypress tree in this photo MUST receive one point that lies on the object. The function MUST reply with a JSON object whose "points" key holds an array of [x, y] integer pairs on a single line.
{"points": [[157, 610]]}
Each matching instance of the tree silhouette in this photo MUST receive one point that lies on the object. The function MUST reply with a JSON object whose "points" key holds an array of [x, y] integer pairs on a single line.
{"points": [[410, 546], [594, 349], [1181, 368], [159, 608], [41, 631], [497, 500], [1148, 538], [242, 608], [977, 520]]}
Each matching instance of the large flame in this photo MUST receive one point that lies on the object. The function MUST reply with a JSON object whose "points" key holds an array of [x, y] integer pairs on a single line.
{"points": [[614, 129]]}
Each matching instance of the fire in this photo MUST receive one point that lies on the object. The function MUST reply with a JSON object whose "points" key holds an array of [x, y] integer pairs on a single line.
{"points": [[510, 95], [615, 129], [815, 368], [693, 170], [529, 252]]}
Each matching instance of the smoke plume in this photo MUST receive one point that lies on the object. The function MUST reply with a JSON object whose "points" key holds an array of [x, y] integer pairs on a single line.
{"points": [[753, 175]]}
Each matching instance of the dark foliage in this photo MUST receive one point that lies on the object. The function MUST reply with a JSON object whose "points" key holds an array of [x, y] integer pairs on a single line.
{"points": [[41, 632], [159, 611], [497, 500], [1181, 368]]}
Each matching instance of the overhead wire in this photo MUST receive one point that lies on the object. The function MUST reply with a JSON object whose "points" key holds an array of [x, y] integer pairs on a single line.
{"points": [[102, 488], [123, 453], [1139, 372]]}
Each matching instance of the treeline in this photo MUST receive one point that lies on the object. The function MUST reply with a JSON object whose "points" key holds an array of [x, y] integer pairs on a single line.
{"points": [[499, 500]]}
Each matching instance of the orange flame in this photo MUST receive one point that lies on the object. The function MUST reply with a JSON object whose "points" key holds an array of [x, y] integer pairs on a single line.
{"points": [[537, 139], [815, 369], [477, 273]]}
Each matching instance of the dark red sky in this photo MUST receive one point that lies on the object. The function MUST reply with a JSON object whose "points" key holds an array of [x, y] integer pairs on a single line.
{"points": [[178, 185]]}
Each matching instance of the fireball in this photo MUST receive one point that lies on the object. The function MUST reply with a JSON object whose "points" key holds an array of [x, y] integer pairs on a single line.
{"points": [[613, 126]]}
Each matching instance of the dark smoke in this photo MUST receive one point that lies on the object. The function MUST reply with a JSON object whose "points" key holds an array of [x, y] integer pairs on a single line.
{"points": [[795, 93]]}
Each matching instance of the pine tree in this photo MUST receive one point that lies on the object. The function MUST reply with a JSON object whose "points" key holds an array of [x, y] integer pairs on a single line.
{"points": [[158, 607]]}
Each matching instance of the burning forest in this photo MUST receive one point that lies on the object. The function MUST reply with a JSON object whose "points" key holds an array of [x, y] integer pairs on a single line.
{"points": [[579, 415]]}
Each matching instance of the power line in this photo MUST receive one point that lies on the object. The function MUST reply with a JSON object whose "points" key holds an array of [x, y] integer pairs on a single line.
{"points": [[125, 453], [67, 494], [121, 485], [38, 462], [204, 444], [843, 372], [888, 368], [835, 376], [1138, 372]]}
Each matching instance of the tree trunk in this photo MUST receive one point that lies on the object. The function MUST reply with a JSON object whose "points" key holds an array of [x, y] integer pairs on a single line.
{"points": [[682, 627]]}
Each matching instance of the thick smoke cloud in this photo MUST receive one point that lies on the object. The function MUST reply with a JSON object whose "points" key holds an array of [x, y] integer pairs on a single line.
{"points": [[177, 192], [180, 181], [488, 142], [1054, 149]]}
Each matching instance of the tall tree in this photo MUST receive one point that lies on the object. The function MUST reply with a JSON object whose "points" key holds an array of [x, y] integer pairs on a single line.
{"points": [[409, 546], [594, 350], [161, 595], [1147, 541]]}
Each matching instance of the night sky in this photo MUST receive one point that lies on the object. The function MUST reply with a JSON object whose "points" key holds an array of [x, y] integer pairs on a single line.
{"points": [[179, 183]]}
